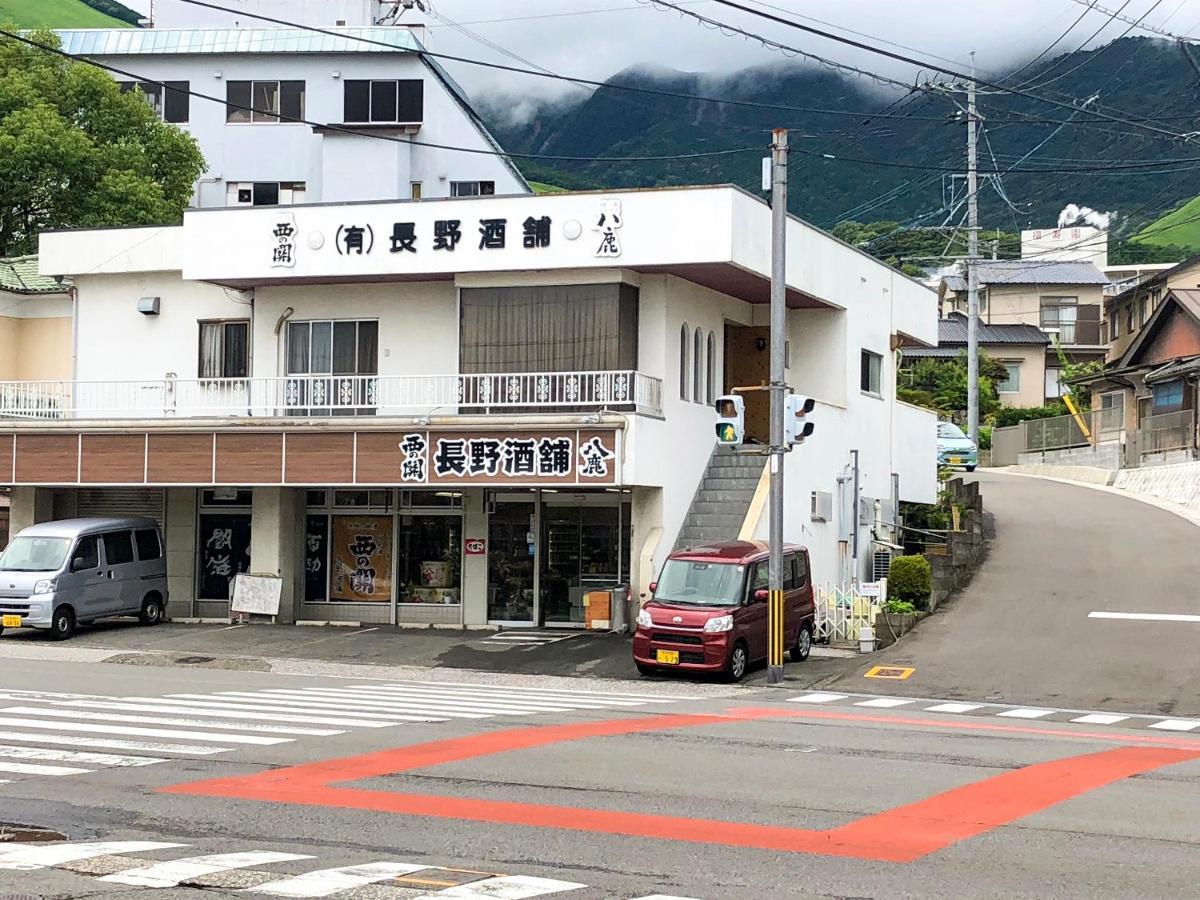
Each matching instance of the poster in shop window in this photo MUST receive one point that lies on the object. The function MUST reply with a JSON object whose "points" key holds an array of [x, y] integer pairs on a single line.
{"points": [[362, 559]]}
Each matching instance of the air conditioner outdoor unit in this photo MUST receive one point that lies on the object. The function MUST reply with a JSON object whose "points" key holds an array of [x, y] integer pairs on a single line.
{"points": [[880, 563]]}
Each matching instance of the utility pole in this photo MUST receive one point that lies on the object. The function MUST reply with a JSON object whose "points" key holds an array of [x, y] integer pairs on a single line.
{"points": [[778, 390], [972, 267]]}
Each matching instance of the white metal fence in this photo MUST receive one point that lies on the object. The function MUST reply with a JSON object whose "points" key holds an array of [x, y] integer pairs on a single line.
{"points": [[843, 611], [324, 395]]}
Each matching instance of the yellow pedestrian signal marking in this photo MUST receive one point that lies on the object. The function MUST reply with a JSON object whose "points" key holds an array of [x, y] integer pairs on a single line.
{"points": [[894, 672], [726, 432]]}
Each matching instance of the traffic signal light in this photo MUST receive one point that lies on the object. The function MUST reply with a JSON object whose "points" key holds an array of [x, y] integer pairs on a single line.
{"points": [[797, 421], [731, 419]]}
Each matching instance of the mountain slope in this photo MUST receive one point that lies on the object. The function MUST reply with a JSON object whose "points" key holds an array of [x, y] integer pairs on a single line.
{"points": [[55, 14], [911, 157], [1181, 227]]}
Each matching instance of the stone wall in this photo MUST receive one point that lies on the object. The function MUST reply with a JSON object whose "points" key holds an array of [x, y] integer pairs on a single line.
{"points": [[1103, 456], [955, 563]]}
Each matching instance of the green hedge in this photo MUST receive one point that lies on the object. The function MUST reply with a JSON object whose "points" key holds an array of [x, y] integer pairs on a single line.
{"points": [[910, 578], [1012, 415]]}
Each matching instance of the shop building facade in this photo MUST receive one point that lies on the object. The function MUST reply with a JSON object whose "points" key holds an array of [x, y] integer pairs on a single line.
{"points": [[464, 411]]}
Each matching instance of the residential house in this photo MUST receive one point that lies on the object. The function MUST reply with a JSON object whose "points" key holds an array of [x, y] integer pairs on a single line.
{"points": [[1127, 313], [388, 122], [35, 323], [1020, 348], [467, 411], [1063, 298]]}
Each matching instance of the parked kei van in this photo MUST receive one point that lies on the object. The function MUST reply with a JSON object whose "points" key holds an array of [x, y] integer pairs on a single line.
{"points": [[57, 575]]}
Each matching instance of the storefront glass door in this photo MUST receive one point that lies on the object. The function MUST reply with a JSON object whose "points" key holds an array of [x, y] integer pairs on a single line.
{"points": [[512, 561]]}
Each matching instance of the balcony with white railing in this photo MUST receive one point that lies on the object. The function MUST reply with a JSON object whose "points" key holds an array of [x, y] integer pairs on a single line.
{"points": [[528, 393]]}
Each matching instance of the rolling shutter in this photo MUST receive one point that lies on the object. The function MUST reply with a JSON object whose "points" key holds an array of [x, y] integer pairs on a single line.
{"points": [[149, 502]]}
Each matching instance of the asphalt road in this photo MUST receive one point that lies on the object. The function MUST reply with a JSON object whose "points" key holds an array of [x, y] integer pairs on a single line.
{"points": [[1020, 632], [609, 790]]}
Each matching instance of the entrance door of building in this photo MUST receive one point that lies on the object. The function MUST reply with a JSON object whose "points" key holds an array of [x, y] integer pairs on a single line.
{"points": [[748, 363], [512, 561]]}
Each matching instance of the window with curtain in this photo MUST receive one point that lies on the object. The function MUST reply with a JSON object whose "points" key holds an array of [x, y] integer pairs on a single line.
{"points": [[335, 347], [698, 366], [712, 368], [224, 349], [684, 370], [559, 328]]}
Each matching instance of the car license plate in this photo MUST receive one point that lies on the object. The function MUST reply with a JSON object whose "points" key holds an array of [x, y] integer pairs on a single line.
{"points": [[10, 621], [956, 460], [668, 657]]}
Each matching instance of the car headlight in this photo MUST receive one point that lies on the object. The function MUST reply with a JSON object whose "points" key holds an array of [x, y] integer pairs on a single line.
{"points": [[44, 586], [718, 624], [644, 620]]}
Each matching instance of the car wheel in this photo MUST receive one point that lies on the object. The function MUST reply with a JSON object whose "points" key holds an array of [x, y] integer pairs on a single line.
{"points": [[63, 624], [735, 670], [803, 645], [152, 612], [646, 670], [970, 468]]}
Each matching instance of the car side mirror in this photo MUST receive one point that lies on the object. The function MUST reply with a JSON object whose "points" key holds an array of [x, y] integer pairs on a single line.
{"points": [[653, 587], [77, 564], [761, 595]]}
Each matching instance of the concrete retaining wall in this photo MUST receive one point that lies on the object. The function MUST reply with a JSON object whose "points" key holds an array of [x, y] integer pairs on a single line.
{"points": [[1177, 483], [1102, 456], [1070, 473]]}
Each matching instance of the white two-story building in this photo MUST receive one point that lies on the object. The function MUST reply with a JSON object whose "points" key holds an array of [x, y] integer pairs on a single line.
{"points": [[288, 115], [465, 411]]}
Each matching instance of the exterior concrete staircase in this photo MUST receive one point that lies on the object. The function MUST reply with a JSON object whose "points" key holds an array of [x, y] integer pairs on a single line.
{"points": [[723, 498]]}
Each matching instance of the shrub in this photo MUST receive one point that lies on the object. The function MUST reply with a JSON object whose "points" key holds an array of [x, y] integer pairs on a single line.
{"points": [[910, 578], [899, 608], [1012, 415], [985, 437]]}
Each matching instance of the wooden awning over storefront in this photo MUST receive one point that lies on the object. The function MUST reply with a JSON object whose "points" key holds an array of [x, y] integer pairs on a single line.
{"points": [[568, 457]]}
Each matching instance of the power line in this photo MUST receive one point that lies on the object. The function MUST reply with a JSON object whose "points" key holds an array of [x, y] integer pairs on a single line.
{"points": [[1056, 63], [1136, 23], [1058, 40], [1097, 53], [343, 129]]}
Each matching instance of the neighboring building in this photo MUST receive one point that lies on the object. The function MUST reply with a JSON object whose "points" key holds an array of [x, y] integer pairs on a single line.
{"points": [[1062, 298], [35, 323], [389, 120], [1075, 243], [468, 411], [1123, 277], [1126, 314], [323, 13], [1021, 348]]}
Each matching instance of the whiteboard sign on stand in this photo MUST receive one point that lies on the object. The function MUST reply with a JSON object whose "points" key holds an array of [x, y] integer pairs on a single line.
{"points": [[256, 595]]}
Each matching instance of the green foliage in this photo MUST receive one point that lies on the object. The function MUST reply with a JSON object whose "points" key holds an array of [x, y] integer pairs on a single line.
{"points": [[57, 14], [76, 152], [1081, 395], [985, 437], [914, 249], [910, 578], [115, 9], [1180, 227], [1012, 415], [540, 187], [941, 384], [899, 607], [1134, 252]]}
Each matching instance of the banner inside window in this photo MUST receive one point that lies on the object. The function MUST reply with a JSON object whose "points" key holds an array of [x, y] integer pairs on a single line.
{"points": [[362, 559]]}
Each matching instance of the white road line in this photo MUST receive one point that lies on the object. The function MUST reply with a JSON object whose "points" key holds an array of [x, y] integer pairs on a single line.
{"points": [[111, 744], [376, 707], [884, 702], [95, 759], [5, 781], [1099, 719], [309, 709], [27, 857], [1023, 713], [506, 887], [172, 872], [663, 897], [145, 732], [33, 769], [1176, 724], [324, 882], [403, 701], [817, 698], [548, 692], [519, 697], [1145, 617], [157, 705], [954, 707], [155, 720]]}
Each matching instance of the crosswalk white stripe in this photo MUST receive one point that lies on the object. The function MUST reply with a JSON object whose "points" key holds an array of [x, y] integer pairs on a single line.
{"points": [[373, 709], [1100, 719], [144, 732], [35, 769], [663, 897], [953, 707], [5, 781], [156, 720], [325, 882], [110, 743], [27, 857], [1023, 713], [548, 692], [817, 697], [521, 699], [884, 702], [505, 887], [311, 712], [1176, 724], [406, 702], [95, 759], [171, 873], [158, 705]]}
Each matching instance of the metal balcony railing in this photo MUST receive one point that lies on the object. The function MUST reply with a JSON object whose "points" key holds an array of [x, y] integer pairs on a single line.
{"points": [[333, 395], [1167, 431]]}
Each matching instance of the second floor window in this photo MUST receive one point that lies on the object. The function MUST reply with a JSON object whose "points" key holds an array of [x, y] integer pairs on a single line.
{"points": [[1114, 325], [871, 375], [264, 102], [1060, 314], [225, 349], [472, 188], [386, 102], [265, 193], [170, 100]]}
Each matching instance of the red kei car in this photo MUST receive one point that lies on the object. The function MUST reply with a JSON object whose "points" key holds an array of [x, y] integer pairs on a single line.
{"points": [[708, 612]]}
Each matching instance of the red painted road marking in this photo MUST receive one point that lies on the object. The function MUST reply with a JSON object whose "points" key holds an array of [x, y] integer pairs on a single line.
{"points": [[903, 834]]}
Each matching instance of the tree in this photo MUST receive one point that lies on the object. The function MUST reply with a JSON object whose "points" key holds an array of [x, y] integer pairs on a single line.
{"points": [[77, 152], [941, 384]]}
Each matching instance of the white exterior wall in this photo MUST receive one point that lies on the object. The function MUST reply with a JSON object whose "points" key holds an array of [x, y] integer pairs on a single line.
{"points": [[335, 167]]}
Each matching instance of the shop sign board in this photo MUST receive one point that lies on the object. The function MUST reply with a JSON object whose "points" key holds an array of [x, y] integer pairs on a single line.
{"points": [[567, 457], [362, 559], [475, 546]]}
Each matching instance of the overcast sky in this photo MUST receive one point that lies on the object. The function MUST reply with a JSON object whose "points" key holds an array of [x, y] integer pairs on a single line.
{"points": [[595, 38]]}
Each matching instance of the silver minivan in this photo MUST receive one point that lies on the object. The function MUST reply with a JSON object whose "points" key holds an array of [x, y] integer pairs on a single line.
{"points": [[56, 575]]}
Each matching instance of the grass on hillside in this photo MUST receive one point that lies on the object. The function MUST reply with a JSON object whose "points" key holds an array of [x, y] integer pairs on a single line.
{"points": [[539, 187], [1180, 226], [55, 14]]}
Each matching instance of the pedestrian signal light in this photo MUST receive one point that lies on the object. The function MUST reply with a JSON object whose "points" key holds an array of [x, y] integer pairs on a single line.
{"points": [[731, 419], [797, 419]]}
